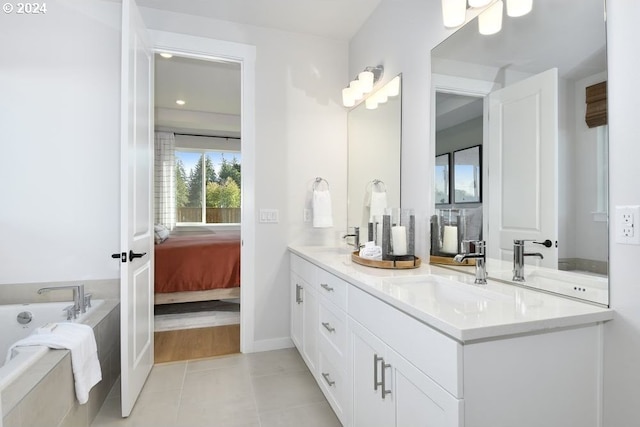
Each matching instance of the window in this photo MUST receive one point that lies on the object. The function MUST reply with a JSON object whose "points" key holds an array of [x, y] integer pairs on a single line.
{"points": [[207, 187]]}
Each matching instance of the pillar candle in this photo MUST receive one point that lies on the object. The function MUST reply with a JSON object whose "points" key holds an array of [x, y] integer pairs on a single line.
{"points": [[399, 239], [450, 239]]}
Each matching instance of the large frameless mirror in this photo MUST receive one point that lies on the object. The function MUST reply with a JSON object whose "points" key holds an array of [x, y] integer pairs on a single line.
{"points": [[522, 95]]}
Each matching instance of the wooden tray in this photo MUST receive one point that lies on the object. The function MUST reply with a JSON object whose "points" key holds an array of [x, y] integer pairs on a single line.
{"points": [[433, 259], [388, 264]]}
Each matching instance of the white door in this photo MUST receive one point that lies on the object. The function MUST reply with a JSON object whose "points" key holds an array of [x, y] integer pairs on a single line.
{"points": [[136, 274], [522, 164]]}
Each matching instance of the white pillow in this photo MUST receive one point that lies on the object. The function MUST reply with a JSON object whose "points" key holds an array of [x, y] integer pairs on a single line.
{"points": [[161, 233]]}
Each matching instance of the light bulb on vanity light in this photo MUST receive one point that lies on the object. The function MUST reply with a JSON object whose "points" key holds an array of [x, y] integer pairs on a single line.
{"points": [[348, 100], [356, 89], [490, 20], [454, 12], [371, 103], [517, 8], [366, 81], [478, 3]]}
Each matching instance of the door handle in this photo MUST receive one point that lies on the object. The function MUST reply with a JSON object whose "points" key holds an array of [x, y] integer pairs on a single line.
{"points": [[547, 243], [133, 255], [121, 256]]}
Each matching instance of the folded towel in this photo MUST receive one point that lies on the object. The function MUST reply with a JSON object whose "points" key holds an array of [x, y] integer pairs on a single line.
{"points": [[371, 252], [322, 216], [78, 338], [377, 204]]}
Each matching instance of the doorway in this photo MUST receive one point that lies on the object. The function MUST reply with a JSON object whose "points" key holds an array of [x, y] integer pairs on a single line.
{"points": [[242, 57]]}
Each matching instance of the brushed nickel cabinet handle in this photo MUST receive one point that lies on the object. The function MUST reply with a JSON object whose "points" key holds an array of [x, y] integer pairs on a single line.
{"points": [[326, 287], [376, 383], [326, 377], [383, 384], [298, 297], [328, 327]]}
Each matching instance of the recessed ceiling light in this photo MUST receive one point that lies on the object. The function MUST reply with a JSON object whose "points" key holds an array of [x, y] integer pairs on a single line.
{"points": [[166, 55], [180, 102]]}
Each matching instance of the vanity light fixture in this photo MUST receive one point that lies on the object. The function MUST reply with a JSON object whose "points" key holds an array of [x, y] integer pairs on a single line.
{"points": [[489, 19], [383, 94], [361, 85]]}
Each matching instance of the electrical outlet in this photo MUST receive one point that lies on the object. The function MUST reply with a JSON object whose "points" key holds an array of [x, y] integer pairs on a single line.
{"points": [[626, 223]]}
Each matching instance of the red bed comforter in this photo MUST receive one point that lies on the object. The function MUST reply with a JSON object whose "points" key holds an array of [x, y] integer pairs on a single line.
{"points": [[197, 263]]}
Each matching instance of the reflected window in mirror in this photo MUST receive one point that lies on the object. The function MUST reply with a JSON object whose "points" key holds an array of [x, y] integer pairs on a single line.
{"points": [[442, 179]]}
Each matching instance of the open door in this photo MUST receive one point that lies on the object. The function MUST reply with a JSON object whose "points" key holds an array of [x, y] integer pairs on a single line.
{"points": [[522, 160], [136, 273]]}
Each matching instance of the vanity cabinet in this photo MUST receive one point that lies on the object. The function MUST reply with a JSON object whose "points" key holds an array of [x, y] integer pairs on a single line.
{"points": [[380, 366], [304, 312]]}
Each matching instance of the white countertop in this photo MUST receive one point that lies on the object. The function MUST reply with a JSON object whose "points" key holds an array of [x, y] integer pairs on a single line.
{"points": [[450, 302]]}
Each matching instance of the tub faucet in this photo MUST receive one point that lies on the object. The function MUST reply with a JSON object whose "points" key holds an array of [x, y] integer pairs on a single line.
{"points": [[474, 249], [518, 259], [79, 301], [356, 238]]}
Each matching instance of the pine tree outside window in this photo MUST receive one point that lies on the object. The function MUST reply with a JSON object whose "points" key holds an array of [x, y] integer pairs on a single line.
{"points": [[208, 187]]}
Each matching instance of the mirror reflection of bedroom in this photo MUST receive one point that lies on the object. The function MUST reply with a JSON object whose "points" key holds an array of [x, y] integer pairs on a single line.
{"points": [[197, 208]]}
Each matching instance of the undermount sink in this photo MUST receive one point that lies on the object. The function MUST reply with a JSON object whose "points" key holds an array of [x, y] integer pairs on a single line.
{"points": [[462, 297]]}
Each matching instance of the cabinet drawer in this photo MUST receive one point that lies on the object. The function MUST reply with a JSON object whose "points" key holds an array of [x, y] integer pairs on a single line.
{"points": [[433, 353], [333, 326], [332, 288], [334, 385], [303, 268]]}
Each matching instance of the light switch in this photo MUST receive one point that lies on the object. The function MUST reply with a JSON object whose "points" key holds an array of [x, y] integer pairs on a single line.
{"points": [[268, 216]]}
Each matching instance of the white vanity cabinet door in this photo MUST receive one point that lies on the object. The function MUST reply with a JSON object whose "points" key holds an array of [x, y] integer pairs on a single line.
{"points": [[369, 408], [411, 398], [304, 320]]}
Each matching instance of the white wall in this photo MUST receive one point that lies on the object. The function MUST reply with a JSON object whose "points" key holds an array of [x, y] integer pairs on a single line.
{"points": [[300, 134], [622, 335], [401, 34], [60, 215]]}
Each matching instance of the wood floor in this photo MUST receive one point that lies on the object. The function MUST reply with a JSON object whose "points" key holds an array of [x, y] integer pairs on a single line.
{"points": [[188, 344]]}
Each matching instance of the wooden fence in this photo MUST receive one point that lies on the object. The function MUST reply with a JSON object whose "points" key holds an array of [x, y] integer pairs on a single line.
{"points": [[214, 215]]}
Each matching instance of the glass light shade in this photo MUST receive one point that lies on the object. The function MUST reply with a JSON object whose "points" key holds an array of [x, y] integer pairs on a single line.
{"points": [[519, 7], [381, 96], [454, 12], [478, 3], [348, 99], [356, 89], [371, 103], [490, 21], [366, 80], [393, 87]]}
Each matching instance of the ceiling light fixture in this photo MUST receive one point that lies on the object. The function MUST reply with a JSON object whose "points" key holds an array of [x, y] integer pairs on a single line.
{"points": [[361, 85], [180, 102], [166, 55]]}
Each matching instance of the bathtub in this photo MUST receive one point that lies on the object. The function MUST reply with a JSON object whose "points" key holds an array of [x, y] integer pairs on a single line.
{"points": [[18, 321]]}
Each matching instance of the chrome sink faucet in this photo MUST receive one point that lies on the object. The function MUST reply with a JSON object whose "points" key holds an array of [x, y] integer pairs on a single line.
{"points": [[518, 259], [356, 238], [475, 249], [79, 300]]}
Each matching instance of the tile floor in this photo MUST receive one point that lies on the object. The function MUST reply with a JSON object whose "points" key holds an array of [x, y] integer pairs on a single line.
{"points": [[268, 389]]}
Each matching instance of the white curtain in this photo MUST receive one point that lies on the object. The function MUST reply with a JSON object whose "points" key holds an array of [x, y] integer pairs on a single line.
{"points": [[165, 179]]}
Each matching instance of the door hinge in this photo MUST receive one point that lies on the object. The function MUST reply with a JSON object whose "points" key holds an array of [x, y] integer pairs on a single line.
{"points": [[122, 256]]}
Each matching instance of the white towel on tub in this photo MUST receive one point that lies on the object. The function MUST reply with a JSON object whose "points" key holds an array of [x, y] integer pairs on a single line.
{"points": [[80, 340], [322, 211]]}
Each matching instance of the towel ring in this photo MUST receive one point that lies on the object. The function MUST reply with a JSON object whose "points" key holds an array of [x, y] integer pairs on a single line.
{"points": [[319, 182], [376, 183]]}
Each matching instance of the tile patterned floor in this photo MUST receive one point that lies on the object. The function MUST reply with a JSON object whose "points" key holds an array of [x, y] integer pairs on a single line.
{"points": [[269, 389]]}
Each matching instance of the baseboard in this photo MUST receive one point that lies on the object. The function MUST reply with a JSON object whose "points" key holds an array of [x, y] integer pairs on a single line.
{"points": [[272, 344]]}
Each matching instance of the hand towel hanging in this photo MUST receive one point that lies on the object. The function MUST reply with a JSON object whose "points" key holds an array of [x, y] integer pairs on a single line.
{"points": [[322, 210]]}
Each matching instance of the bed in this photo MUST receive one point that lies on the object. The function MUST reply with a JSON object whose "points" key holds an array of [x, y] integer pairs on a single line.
{"points": [[192, 268]]}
